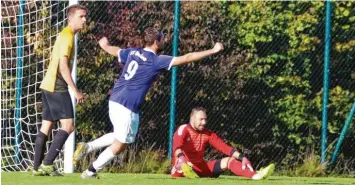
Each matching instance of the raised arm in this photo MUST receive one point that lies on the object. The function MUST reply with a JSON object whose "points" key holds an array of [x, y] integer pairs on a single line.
{"points": [[105, 45], [196, 56]]}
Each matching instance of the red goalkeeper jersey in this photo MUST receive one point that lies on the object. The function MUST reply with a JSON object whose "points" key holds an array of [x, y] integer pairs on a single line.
{"points": [[193, 143]]}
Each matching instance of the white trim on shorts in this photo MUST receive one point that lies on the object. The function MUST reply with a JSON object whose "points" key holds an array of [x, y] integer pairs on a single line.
{"points": [[125, 122]]}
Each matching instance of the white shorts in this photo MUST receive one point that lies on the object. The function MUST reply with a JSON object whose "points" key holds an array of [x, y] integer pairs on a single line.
{"points": [[125, 122]]}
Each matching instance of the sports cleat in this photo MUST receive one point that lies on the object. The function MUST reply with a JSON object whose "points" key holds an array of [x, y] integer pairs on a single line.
{"points": [[38, 172], [268, 171], [188, 171], [264, 173], [49, 170], [56, 173], [80, 152], [89, 175]]}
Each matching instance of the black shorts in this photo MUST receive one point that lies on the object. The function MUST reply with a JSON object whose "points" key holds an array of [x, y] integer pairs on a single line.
{"points": [[56, 106]]}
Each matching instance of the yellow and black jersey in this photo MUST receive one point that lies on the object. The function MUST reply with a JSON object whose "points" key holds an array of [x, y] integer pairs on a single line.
{"points": [[63, 46]]}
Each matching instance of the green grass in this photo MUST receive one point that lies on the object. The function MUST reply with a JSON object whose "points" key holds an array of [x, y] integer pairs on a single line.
{"points": [[18, 178]]}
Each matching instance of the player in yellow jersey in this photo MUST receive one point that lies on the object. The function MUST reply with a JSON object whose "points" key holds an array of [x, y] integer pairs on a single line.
{"points": [[56, 101]]}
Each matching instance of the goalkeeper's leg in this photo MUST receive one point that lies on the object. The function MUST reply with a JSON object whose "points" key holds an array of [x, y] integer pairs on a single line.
{"points": [[42, 136], [40, 146], [235, 166], [58, 142], [265, 172]]}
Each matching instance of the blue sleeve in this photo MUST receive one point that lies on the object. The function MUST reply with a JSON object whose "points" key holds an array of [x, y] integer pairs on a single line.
{"points": [[163, 62], [123, 55]]}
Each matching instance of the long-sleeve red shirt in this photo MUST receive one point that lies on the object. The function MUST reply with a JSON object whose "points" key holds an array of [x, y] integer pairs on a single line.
{"points": [[193, 143]]}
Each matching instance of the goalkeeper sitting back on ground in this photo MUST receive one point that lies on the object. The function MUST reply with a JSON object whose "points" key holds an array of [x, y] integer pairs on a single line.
{"points": [[189, 144]]}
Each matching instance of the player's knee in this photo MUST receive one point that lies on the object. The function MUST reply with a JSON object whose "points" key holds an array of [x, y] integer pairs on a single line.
{"points": [[67, 125], [225, 162], [68, 128], [117, 147], [46, 127]]}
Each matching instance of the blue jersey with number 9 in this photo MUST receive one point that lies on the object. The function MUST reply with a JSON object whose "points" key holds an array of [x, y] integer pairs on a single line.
{"points": [[141, 67]]}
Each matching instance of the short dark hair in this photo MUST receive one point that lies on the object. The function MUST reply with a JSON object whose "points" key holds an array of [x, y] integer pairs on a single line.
{"points": [[196, 109], [73, 8], [151, 35]]}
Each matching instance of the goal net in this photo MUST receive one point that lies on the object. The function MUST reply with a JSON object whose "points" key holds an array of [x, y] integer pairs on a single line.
{"points": [[28, 32]]}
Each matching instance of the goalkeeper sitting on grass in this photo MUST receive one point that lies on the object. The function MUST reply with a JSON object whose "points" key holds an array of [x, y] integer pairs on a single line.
{"points": [[189, 143]]}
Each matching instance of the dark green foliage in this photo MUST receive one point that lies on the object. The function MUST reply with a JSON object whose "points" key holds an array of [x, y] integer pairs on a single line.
{"points": [[263, 92]]}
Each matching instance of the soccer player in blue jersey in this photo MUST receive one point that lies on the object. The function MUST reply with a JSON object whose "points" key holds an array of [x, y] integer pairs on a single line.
{"points": [[141, 67]]}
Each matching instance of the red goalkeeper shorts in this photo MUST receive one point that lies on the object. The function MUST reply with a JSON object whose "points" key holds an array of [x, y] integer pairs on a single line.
{"points": [[202, 169]]}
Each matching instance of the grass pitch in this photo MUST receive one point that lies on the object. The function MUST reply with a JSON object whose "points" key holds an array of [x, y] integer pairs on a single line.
{"points": [[23, 178]]}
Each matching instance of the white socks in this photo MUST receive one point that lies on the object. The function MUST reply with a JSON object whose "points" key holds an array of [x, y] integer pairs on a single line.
{"points": [[257, 176], [90, 173], [101, 142], [104, 158]]}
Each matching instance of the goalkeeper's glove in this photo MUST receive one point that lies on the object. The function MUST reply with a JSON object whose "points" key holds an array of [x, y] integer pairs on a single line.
{"points": [[245, 162], [180, 161]]}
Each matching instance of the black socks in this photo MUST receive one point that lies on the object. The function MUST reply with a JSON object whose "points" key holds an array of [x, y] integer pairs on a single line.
{"points": [[40, 146], [58, 142]]}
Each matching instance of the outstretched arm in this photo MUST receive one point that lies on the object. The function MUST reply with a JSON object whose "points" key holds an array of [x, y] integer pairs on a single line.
{"points": [[196, 56], [245, 161], [220, 145], [217, 143], [105, 45]]}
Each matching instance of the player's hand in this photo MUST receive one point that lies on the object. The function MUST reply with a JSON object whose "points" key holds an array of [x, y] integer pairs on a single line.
{"points": [[218, 47], [103, 42], [180, 161], [246, 163], [79, 97]]}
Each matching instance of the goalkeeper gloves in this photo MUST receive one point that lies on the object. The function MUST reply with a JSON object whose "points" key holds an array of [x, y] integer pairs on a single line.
{"points": [[245, 162], [180, 161]]}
